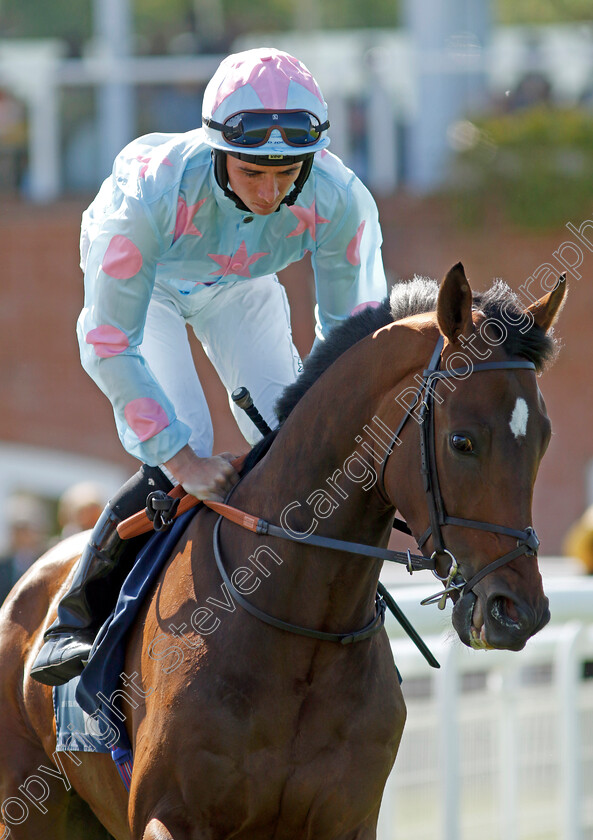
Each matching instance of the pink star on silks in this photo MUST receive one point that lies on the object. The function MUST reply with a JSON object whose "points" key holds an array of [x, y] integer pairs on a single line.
{"points": [[146, 160], [308, 218], [270, 88], [184, 222], [353, 249], [238, 263]]}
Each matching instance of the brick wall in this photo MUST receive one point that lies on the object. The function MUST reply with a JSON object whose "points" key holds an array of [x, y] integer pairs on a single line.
{"points": [[48, 401]]}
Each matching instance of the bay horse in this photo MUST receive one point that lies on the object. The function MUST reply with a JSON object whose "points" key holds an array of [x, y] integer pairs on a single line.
{"points": [[243, 730]]}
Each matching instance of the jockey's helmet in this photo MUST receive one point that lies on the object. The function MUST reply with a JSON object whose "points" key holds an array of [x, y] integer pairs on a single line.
{"points": [[263, 106]]}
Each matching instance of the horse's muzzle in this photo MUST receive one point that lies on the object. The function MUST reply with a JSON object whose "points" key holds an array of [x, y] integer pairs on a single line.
{"points": [[501, 622]]}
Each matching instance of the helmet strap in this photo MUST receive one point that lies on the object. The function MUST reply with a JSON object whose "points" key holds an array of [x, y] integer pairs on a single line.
{"points": [[222, 177], [300, 181]]}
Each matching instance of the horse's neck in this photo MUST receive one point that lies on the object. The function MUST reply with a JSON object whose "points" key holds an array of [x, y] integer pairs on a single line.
{"points": [[316, 466], [312, 481]]}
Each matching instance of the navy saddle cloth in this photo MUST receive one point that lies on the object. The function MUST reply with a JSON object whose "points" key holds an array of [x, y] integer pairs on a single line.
{"points": [[101, 679]]}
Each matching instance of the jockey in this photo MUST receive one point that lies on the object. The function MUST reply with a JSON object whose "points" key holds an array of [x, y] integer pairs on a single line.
{"points": [[190, 229]]}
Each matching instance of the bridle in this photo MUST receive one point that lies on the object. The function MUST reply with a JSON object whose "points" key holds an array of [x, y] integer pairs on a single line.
{"points": [[527, 540], [453, 581]]}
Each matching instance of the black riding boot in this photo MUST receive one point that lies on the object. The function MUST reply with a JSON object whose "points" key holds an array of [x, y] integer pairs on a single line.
{"points": [[98, 576]]}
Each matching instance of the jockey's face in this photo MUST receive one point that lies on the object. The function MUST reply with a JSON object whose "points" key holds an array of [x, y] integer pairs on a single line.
{"points": [[261, 188]]}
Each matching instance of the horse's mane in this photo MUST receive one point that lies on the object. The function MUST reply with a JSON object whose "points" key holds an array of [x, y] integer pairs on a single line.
{"points": [[499, 304], [413, 297]]}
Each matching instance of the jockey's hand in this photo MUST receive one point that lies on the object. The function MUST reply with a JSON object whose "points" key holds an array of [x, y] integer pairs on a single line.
{"points": [[205, 478]]}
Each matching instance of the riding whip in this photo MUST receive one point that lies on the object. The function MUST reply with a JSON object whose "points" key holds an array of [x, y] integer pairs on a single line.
{"points": [[242, 398]]}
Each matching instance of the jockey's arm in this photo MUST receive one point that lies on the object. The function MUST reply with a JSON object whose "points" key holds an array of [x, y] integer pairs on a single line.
{"points": [[347, 263]]}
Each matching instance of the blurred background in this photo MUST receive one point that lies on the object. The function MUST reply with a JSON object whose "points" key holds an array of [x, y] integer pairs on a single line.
{"points": [[471, 121]]}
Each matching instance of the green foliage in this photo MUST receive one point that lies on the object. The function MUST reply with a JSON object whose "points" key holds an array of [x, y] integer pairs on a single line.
{"points": [[534, 167], [541, 11], [351, 14], [70, 21], [156, 21], [268, 15]]}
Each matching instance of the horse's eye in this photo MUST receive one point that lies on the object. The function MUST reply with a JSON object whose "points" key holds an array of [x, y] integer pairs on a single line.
{"points": [[462, 443]]}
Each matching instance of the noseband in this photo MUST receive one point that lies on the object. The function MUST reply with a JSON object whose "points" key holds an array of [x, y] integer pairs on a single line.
{"points": [[527, 540]]}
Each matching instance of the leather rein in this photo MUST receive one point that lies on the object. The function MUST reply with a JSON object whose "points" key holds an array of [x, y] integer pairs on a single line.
{"points": [[163, 509], [527, 540]]}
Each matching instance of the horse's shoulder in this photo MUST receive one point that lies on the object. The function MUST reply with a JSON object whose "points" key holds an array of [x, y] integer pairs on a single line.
{"points": [[183, 583]]}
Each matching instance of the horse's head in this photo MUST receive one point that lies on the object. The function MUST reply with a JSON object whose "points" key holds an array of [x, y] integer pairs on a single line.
{"points": [[483, 431]]}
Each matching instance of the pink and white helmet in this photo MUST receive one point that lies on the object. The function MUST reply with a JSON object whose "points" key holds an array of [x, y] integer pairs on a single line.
{"points": [[263, 80]]}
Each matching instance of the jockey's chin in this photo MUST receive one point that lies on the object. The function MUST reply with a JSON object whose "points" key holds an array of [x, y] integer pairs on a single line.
{"points": [[264, 209], [261, 188]]}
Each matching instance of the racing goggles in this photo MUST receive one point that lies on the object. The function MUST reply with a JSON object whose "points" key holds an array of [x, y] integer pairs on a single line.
{"points": [[253, 128]]}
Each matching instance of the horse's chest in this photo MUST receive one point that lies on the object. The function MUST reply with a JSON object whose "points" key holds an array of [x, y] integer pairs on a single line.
{"points": [[281, 746], [314, 760]]}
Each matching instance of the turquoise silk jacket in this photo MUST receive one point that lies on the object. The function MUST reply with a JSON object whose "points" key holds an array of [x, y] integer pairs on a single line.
{"points": [[161, 221]]}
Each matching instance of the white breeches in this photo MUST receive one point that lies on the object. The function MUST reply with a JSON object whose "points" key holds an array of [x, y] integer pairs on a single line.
{"points": [[244, 328]]}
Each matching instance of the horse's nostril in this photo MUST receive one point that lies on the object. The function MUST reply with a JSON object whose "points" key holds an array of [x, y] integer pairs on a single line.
{"points": [[504, 611]]}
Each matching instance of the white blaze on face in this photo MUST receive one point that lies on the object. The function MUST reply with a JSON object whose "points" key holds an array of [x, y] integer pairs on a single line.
{"points": [[519, 417]]}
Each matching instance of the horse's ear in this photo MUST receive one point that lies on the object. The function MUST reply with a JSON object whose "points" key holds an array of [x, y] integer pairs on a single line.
{"points": [[545, 310], [454, 305]]}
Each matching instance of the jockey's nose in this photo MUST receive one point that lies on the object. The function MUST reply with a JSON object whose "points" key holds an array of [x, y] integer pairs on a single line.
{"points": [[268, 188]]}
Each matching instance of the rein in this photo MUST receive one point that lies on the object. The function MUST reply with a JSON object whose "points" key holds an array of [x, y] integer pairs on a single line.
{"points": [[163, 509], [382, 600], [374, 626]]}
